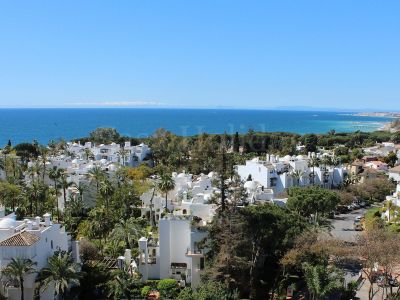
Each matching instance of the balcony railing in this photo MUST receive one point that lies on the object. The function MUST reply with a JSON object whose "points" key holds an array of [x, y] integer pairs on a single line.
{"points": [[194, 252]]}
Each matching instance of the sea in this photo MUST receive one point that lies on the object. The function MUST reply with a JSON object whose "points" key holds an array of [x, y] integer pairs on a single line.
{"points": [[44, 125]]}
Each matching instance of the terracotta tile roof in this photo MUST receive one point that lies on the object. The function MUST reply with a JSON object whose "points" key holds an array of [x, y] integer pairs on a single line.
{"points": [[395, 170], [22, 238]]}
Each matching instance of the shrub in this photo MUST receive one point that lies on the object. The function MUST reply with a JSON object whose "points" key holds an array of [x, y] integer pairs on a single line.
{"points": [[145, 291], [88, 251], [168, 288]]}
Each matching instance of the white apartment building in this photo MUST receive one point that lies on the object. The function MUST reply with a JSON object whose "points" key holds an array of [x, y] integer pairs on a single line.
{"points": [[127, 155], [189, 197], [176, 254], [278, 174], [394, 173], [37, 240]]}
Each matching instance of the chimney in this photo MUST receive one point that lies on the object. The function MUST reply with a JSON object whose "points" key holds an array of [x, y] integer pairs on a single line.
{"points": [[143, 243], [121, 262], [128, 256], [37, 221], [30, 225], [77, 252], [47, 219]]}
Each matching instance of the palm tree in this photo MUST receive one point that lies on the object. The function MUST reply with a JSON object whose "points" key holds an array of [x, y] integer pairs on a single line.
{"points": [[55, 174], [32, 172], [81, 188], [128, 231], [122, 153], [151, 207], [62, 272], [35, 192], [389, 207], [106, 191], [65, 184], [297, 175], [43, 160], [165, 185], [88, 153], [122, 284], [96, 174], [6, 150], [313, 162], [321, 280], [17, 269]]}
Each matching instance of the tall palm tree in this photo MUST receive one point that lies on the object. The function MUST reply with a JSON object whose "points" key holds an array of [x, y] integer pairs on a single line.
{"points": [[88, 153], [35, 192], [297, 175], [151, 206], [62, 272], [313, 162], [43, 159], [81, 189], [122, 154], [6, 150], [389, 207], [106, 190], [96, 174], [65, 184], [55, 174], [16, 271], [165, 185], [32, 172], [128, 231]]}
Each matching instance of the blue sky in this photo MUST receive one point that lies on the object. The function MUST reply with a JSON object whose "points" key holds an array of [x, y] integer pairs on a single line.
{"points": [[254, 54]]}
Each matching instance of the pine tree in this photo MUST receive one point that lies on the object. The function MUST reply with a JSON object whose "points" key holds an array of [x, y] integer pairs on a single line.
{"points": [[236, 143]]}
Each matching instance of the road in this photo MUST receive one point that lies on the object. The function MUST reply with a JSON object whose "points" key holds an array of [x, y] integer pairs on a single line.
{"points": [[343, 225], [343, 230]]}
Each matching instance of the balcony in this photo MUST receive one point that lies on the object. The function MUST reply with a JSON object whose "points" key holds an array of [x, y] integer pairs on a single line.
{"points": [[194, 253]]}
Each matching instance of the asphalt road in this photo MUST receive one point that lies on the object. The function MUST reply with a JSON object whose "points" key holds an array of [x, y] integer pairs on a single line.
{"points": [[343, 225]]}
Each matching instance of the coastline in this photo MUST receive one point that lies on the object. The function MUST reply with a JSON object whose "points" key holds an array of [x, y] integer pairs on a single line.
{"points": [[55, 124]]}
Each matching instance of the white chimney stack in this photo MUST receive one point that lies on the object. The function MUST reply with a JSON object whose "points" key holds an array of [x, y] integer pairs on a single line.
{"points": [[47, 219], [128, 256], [30, 225], [37, 221]]}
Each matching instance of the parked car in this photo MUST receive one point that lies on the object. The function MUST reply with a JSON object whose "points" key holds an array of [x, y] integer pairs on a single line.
{"points": [[342, 209], [357, 226]]}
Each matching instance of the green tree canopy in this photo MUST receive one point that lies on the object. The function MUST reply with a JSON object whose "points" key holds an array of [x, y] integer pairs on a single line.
{"points": [[309, 201]]}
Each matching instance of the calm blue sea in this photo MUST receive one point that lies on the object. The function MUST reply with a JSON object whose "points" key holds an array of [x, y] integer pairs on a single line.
{"points": [[25, 125]]}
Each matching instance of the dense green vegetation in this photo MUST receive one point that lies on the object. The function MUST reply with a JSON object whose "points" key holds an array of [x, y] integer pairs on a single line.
{"points": [[255, 252]]}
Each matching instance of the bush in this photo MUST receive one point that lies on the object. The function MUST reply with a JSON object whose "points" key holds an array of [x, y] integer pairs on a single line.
{"points": [[168, 288], [88, 251], [145, 291]]}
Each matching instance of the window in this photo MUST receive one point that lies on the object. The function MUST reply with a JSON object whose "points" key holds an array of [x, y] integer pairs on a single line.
{"points": [[201, 263], [51, 244], [184, 212]]}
